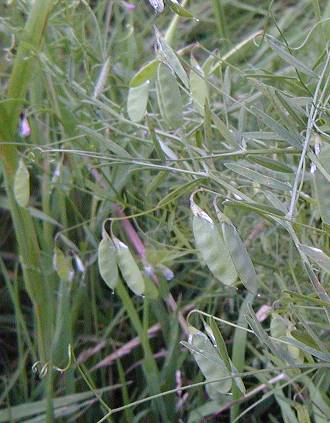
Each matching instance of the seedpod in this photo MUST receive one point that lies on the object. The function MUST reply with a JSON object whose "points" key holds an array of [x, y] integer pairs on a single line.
{"points": [[107, 261], [128, 267], [238, 253], [22, 185], [211, 246], [209, 361], [137, 101], [169, 97]]}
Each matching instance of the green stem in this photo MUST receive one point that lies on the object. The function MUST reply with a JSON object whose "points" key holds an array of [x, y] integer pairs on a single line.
{"points": [[220, 19], [238, 353], [150, 366], [23, 224]]}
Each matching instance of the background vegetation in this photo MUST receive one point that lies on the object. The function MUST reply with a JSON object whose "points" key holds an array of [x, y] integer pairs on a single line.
{"points": [[183, 139]]}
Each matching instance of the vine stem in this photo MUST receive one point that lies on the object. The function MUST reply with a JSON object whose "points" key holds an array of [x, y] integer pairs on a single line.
{"points": [[195, 385], [311, 120]]}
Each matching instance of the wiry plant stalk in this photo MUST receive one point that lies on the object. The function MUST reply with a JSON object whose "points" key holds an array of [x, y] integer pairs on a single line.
{"points": [[25, 232]]}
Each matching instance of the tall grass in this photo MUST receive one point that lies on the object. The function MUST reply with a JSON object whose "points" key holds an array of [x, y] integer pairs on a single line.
{"points": [[237, 112]]}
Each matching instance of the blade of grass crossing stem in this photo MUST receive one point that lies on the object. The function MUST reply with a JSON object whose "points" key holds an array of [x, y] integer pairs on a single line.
{"points": [[150, 366]]}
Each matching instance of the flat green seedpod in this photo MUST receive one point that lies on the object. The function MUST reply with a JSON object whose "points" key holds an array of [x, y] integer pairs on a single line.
{"points": [[130, 271], [209, 361], [240, 257], [169, 97], [107, 262], [137, 101], [22, 184], [210, 244]]}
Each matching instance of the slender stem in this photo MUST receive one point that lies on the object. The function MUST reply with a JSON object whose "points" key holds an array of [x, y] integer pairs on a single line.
{"points": [[311, 119], [196, 385], [24, 227]]}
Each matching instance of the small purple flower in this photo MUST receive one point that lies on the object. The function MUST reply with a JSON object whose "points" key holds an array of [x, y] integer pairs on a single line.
{"points": [[24, 126], [128, 6]]}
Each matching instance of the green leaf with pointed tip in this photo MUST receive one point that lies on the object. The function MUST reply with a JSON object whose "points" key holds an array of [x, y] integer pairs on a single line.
{"points": [[285, 55], [318, 256], [167, 55], [257, 177], [258, 208], [224, 131], [137, 100], [147, 72], [270, 164], [179, 10]]}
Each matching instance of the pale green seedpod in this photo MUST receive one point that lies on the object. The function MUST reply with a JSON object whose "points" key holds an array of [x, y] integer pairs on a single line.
{"points": [[238, 252], [211, 246], [22, 184], [63, 265], [107, 261], [129, 269], [240, 257], [198, 87], [209, 361], [137, 101], [169, 97], [280, 327]]}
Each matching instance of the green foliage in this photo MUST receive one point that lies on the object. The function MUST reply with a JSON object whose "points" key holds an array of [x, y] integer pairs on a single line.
{"points": [[232, 105]]}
